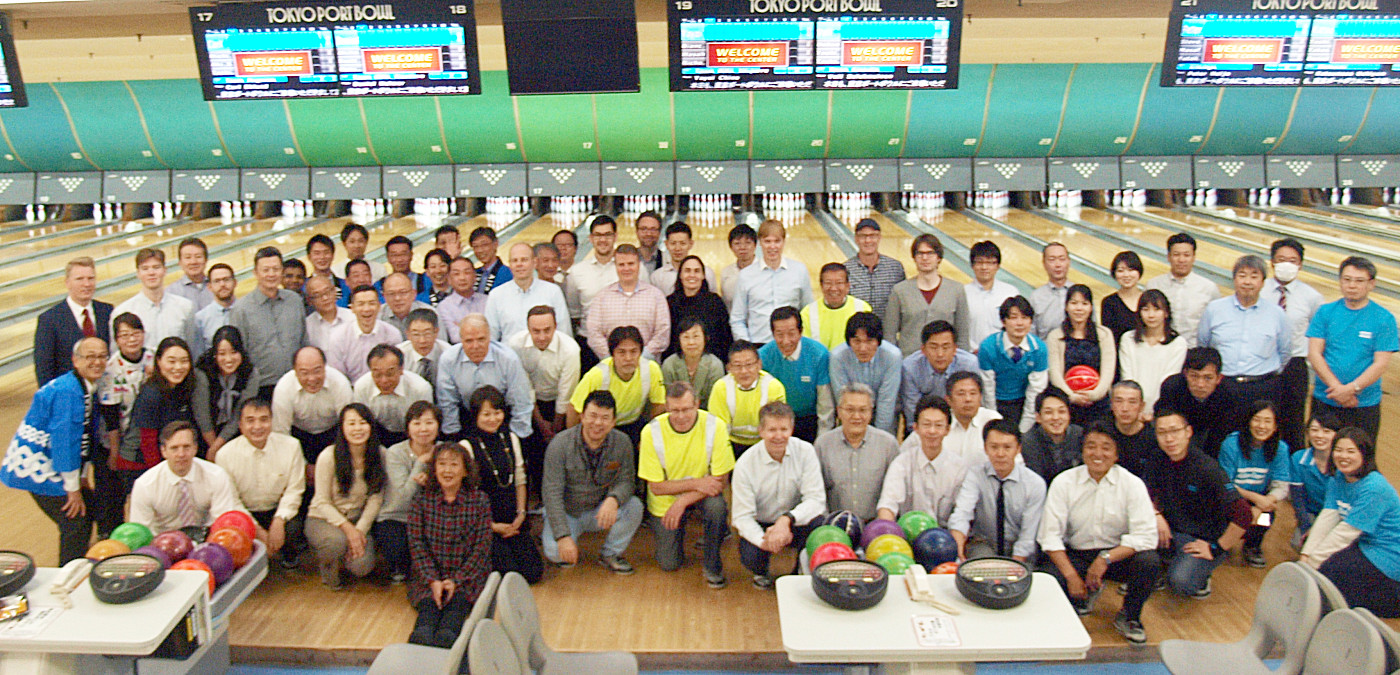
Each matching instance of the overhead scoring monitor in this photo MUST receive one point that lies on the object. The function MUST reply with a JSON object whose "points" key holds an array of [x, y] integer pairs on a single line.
{"points": [[11, 84], [1348, 49], [317, 49], [721, 45]]}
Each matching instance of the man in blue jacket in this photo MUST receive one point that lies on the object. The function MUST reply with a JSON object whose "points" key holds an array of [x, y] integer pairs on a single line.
{"points": [[57, 434]]}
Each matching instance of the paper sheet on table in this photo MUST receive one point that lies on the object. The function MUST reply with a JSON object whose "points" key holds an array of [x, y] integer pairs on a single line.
{"points": [[30, 625], [936, 631]]}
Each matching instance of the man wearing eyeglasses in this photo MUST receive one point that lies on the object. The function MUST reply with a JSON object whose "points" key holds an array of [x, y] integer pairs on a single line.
{"points": [[1350, 342]]}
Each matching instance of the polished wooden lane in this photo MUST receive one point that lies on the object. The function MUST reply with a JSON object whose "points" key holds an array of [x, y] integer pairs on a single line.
{"points": [[1378, 242]]}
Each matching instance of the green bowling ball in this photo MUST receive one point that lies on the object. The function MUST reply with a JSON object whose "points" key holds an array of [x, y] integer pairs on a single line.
{"points": [[824, 534], [915, 522], [895, 562], [134, 535]]}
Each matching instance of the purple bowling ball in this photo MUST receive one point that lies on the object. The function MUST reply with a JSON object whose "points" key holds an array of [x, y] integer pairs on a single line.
{"points": [[219, 560], [878, 527], [157, 553]]}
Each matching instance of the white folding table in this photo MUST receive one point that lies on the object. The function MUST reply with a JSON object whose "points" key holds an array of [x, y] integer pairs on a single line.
{"points": [[1044, 627]]}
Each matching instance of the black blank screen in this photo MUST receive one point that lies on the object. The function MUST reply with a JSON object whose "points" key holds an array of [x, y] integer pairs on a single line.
{"points": [[571, 47]]}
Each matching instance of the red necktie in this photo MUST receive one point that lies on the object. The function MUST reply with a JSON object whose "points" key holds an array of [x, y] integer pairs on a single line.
{"points": [[88, 329]]}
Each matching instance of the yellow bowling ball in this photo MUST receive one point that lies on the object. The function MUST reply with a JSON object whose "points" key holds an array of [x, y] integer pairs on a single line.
{"points": [[887, 543]]}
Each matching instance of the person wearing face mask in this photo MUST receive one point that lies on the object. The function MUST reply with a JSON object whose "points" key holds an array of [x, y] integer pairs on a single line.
{"points": [[1299, 302]]}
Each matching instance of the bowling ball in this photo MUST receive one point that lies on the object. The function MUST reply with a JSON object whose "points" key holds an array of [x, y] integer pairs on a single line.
{"points": [[895, 562], [934, 547], [236, 519], [824, 534], [887, 543], [848, 522], [237, 544], [832, 550], [945, 568], [155, 552], [134, 535], [878, 527], [915, 522], [1081, 378], [105, 549], [218, 559], [175, 543], [196, 565]]}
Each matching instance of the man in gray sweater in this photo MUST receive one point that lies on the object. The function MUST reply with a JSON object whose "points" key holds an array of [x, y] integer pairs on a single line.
{"points": [[589, 477]]}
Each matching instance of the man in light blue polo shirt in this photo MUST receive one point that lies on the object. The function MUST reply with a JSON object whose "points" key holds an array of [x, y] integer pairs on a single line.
{"points": [[1350, 342], [803, 366], [1253, 337]]}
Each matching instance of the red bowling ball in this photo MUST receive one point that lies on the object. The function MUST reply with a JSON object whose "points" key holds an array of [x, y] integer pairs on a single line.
{"points": [[175, 543]]}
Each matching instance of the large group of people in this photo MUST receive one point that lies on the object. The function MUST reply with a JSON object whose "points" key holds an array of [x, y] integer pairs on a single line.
{"points": [[411, 422]]}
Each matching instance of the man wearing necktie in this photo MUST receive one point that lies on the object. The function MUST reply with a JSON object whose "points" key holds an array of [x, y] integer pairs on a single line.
{"points": [[74, 318], [183, 490], [999, 504]]}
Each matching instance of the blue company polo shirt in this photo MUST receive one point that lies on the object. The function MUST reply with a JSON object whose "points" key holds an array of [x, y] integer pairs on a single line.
{"points": [[1353, 337], [1370, 505], [800, 377]]}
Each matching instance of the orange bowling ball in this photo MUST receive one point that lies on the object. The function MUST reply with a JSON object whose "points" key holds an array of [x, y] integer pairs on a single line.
{"points": [[237, 520], [196, 565], [238, 544], [945, 568], [105, 549]]}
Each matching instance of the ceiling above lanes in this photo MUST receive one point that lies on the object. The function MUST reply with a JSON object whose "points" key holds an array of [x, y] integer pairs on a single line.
{"points": [[150, 39]]}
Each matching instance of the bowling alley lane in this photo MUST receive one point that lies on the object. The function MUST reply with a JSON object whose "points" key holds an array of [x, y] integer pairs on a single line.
{"points": [[1378, 242], [14, 234], [1381, 228]]}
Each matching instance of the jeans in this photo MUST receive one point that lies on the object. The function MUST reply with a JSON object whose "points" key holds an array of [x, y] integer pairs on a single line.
{"points": [[1187, 574], [629, 518], [756, 559], [670, 544], [1141, 571]]}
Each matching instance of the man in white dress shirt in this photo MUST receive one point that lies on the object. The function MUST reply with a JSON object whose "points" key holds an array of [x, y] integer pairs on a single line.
{"points": [[350, 344], [986, 293], [925, 476], [163, 314], [182, 491], [594, 273], [423, 350], [679, 240], [969, 417], [326, 316], [508, 303], [1299, 302], [779, 495], [1188, 292], [1099, 523], [306, 402], [389, 391], [269, 473]]}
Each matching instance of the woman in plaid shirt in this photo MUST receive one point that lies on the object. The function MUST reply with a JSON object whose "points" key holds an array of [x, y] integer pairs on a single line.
{"points": [[449, 536]]}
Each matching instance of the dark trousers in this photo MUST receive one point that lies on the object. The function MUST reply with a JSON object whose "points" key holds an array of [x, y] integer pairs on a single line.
{"points": [[312, 444], [1012, 410], [1293, 402], [74, 534], [756, 559], [1254, 537], [391, 536], [533, 448], [670, 544], [1243, 394], [295, 541], [108, 502], [1367, 419], [633, 430], [265, 392], [805, 428], [1361, 583], [439, 626], [517, 554], [740, 449], [1141, 571]]}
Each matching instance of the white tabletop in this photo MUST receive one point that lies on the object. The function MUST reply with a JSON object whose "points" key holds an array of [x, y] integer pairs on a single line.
{"points": [[1044, 627], [95, 627]]}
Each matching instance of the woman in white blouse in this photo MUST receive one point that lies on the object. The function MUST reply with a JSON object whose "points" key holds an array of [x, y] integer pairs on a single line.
{"points": [[1153, 352]]}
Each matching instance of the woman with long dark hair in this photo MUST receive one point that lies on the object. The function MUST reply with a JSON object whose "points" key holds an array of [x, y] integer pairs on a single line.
{"points": [[1153, 351], [501, 467], [449, 536], [233, 379], [350, 482], [693, 298], [1257, 464], [174, 392], [1079, 341]]}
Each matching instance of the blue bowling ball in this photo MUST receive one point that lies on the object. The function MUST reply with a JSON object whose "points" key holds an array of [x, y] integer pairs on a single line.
{"points": [[848, 522], [933, 547]]}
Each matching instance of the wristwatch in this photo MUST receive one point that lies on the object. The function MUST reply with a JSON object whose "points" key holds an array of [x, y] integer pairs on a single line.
{"points": [[1106, 556]]}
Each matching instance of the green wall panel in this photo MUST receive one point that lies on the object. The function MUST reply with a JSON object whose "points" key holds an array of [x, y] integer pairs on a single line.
{"points": [[41, 136], [1381, 130], [1174, 120], [790, 124], [1322, 117], [108, 125], [481, 129], [558, 128], [256, 133], [712, 125], [1101, 109], [331, 132], [942, 122], [405, 130], [1250, 121], [1024, 110], [181, 127], [863, 123], [637, 127]]}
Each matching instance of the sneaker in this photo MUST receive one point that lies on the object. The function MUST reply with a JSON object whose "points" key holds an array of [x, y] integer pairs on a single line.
{"points": [[763, 582], [1203, 593], [617, 564], [397, 578], [1130, 629], [1255, 558], [290, 561], [716, 580], [1123, 588], [1161, 584]]}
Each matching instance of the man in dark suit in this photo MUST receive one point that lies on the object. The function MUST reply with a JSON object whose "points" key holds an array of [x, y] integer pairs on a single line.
{"points": [[61, 326]]}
